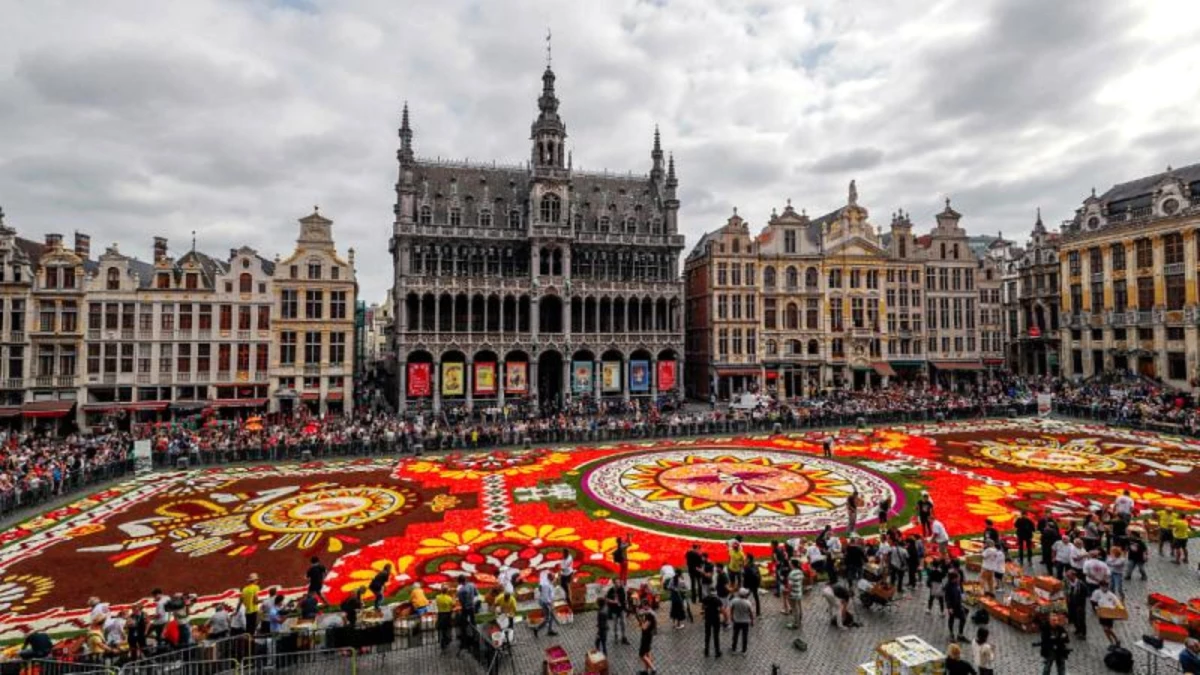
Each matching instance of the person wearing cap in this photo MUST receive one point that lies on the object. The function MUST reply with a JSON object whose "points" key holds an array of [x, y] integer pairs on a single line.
{"points": [[1104, 598], [249, 602], [742, 613]]}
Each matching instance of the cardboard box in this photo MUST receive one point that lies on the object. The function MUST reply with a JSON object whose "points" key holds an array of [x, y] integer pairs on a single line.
{"points": [[1114, 613], [1048, 584], [908, 655], [596, 663]]}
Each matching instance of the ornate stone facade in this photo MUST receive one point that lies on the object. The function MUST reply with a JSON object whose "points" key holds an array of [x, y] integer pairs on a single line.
{"points": [[1129, 284], [537, 282]]}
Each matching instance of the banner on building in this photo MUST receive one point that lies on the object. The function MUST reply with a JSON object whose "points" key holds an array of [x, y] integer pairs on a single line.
{"points": [[1045, 403], [485, 379], [610, 376], [639, 376], [143, 457], [418, 379], [666, 375], [516, 378], [581, 377], [452, 379]]}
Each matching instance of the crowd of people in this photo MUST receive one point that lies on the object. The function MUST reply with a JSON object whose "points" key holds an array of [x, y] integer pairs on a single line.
{"points": [[1131, 401], [35, 469]]}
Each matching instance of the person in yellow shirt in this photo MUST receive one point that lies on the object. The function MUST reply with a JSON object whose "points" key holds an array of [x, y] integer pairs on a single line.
{"points": [[249, 602], [737, 564], [445, 611], [1180, 531], [1166, 518], [506, 603], [420, 603]]}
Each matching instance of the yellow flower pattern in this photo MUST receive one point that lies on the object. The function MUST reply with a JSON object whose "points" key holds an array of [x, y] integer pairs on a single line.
{"points": [[362, 578], [538, 535], [602, 549], [453, 541]]}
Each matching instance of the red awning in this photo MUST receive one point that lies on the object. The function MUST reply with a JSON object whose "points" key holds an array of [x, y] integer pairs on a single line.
{"points": [[47, 408], [238, 402], [771, 375], [883, 369], [10, 411], [333, 396], [994, 362], [148, 405], [957, 365], [310, 396]]}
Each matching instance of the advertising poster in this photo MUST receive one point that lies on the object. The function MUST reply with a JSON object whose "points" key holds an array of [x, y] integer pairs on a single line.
{"points": [[143, 459], [581, 376], [1045, 404], [418, 379], [452, 379], [666, 375], [639, 376], [610, 376], [485, 378], [516, 378]]}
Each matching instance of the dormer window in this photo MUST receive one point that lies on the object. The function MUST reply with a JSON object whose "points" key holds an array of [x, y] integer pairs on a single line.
{"points": [[113, 282], [314, 269], [245, 283], [426, 215], [162, 280], [191, 281], [68, 280]]}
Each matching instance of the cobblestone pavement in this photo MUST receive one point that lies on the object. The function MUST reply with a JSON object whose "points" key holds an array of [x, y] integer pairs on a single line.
{"points": [[830, 650]]}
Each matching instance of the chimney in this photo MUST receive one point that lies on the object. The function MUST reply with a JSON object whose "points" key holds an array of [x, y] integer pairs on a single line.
{"points": [[160, 248], [53, 240], [83, 245]]}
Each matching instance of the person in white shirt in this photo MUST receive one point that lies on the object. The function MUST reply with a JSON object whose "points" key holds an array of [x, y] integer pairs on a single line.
{"points": [[99, 611], [1095, 570], [1124, 506], [1103, 597], [237, 621], [993, 568], [816, 559], [114, 629], [1078, 555], [983, 652], [940, 536], [1062, 557]]}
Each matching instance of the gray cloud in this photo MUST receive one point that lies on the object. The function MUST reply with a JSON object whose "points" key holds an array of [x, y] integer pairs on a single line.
{"points": [[233, 119], [849, 160]]}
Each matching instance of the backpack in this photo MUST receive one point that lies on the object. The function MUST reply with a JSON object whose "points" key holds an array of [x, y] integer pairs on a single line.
{"points": [[980, 617], [1119, 659]]}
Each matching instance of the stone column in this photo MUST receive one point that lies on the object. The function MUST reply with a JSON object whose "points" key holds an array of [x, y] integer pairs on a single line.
{"points": [[566, 378], [469, 384], [402, 378], [533, 379], [435, 381], [501, 366], [597, 377], [533, 316], [625, 384], [653, 379]]}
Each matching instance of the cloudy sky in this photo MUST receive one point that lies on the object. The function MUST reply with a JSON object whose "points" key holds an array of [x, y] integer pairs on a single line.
{"points": [[129, 119]]}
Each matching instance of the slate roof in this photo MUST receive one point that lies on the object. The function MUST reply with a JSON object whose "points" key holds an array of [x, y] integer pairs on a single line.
{"points": [[1143, 186]]}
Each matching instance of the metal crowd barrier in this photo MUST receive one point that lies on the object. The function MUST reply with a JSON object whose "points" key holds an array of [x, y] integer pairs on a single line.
{"points": [[1096, 413], [84, 665], [74, 481], [461, 442]]}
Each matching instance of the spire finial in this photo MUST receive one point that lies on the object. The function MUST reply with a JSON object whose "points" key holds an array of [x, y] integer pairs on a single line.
{"points": [[404, 118], [671, 170], [657, 140], [735, 212], [789, 202], [1, 215], [853, 197], [1093, 190], [316, 209], [193, 241], [549, 54], [947, 203]]}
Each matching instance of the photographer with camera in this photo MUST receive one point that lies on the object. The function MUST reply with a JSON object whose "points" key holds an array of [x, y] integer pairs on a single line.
{"points": [[1053, 644]]}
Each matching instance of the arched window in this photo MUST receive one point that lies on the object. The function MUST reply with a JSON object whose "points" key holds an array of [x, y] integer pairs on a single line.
{"points": [[455, 216], [813, 347], [794, 347], [114, 279], [604, 224], [810, 277], [551, 208], [769, 277], [485, 218], [792, 317], [772, 348], [514, 219], [793, 278], [246, 282], [426, 215], [630, 226]]}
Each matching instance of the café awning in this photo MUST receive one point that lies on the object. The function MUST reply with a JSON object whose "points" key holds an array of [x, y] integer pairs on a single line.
{"points": [[883, 369], [47, 409], [238, 402]]}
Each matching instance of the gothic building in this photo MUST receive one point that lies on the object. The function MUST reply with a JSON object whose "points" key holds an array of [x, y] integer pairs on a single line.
{"points": [[534, 283]]}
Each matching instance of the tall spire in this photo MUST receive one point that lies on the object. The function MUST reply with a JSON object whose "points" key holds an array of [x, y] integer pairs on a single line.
{"points": [[672, 182], [656, 155], [1038, 226], [406, 151], [548, 132]]}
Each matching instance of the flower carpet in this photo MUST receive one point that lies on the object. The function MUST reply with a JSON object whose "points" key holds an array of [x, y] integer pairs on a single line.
{"points": [[434, 518]]}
